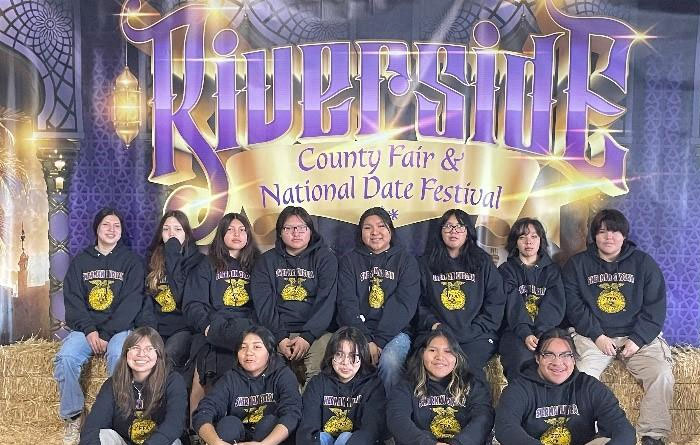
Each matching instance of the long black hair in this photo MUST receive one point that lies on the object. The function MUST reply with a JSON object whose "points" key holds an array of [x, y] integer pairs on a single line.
{"points": [[219, 252], [156, 256], [471, 256], [268, 341], [303, 215], [520, 227], [358, 340]]}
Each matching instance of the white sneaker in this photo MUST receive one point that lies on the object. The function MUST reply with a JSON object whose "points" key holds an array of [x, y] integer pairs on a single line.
{"points": [[71, 431]]}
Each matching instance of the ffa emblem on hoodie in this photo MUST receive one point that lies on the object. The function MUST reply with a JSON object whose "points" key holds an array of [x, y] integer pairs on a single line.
{"points": [[253, 415], [100, 296], [532, 306], [338, 423], [557, 433], [444, 425], [376, 293], [235, 294], [165, 298], [294, 291], [611, 300], [141, 429], [452, 296]]}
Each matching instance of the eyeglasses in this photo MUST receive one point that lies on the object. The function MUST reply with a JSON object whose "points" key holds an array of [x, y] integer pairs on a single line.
{"points": [[138, 350], [550, 356], [340, 357], [297, 229], [457, 228]]}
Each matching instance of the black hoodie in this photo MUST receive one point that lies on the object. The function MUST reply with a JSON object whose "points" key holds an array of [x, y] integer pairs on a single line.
{"points": [[211, 295], [103, 293], [378, 293], [531, 407], [179, 262], [436, 418], [275, 391], [470, 304], [622, 298], [296, 293], [357, 406], [163, 427], [535, 296]]}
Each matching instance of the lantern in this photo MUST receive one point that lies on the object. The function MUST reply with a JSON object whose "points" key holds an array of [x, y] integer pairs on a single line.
{"points": [[127, 106]]}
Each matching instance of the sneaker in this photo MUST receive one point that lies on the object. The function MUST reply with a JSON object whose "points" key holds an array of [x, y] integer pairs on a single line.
{"points": [[71, 431], [646, 440]]}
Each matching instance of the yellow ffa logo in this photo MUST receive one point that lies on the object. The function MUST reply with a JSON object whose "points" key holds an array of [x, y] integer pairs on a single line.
{"points": [[165, 298], [532, 306], [452, 296], [141, 429], [611, 300], [293, 290], [235, 294], [101, 296], [253, 415], [376, 293], [445, 425], [557, 433], [338, 423]]}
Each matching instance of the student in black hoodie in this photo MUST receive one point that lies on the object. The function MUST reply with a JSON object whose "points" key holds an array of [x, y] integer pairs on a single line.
{"points": [[144, 402], [461, 289], [258, 400], [345, 403], [616, 302], [217, 302], [103, 293], [441, 402], [294, 289], [550, 401], [173, 254], [379, 286], [534, 291]]}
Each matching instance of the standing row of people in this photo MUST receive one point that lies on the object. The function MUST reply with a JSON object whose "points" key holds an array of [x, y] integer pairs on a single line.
{"points": [[379, 289]]}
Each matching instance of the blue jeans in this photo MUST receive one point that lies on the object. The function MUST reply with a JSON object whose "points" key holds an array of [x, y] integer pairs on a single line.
{"points": [[327, 439], [392, 360], [74, 352]]}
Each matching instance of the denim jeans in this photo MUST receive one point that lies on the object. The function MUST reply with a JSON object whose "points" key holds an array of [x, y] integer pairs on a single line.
{"points": [[327, 439], [392, 360], [74, 352]]}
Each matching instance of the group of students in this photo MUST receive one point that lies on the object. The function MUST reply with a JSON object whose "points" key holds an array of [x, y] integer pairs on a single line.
{"points": [[224, 327]]}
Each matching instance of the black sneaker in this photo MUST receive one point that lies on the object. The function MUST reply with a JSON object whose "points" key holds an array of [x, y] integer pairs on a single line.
{"points": [[646, 440]]}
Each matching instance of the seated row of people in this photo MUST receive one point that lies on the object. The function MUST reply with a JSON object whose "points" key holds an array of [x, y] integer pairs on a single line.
{"points": [[438, 402], [613, 294]]}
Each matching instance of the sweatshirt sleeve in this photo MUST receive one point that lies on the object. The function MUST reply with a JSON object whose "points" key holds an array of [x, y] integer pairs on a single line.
{"points": [[264, 296], [312, 419], [129, 303], [651, 319], [146, 317], [399, 419], [480, 412], [324, 304], [348, 297], [510, 412], [289, 405], [516, 316], [491, 315], [577, 311], [172, 426], [372, 423], [174, 270], [196, 304], [426, 316], [215, 404], [75, 301], [612, 421], [100, 416], [553, 307], [401, 307]]}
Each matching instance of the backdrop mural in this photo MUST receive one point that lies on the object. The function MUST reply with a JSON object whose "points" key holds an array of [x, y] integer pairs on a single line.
{"points": [[505, 108]]}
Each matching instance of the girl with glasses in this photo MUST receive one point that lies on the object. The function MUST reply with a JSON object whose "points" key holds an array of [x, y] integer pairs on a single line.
{"points": [[379, 286], [552, 402], [143, 402], [535, 293], [461, 289], [440, 402], [344, 404], [294, 288], [256, 402]]}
